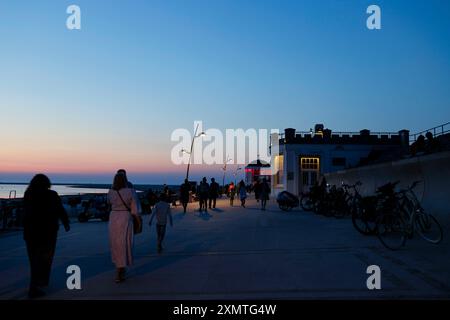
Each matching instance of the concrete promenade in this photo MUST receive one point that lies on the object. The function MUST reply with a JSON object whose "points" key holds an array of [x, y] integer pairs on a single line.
{"points": [[236, 253]]}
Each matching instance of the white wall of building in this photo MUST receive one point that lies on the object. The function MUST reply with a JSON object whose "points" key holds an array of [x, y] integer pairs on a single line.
{"points": [[326, 152]]}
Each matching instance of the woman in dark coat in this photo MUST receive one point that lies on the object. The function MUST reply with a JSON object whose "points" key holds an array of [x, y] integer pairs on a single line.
{"points": [[43, 211], [185, 188], [265, 193], [257, 188]]}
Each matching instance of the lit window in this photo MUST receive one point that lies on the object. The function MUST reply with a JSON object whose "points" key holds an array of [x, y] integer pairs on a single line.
{"points": [[279, 172], [310, 164]]}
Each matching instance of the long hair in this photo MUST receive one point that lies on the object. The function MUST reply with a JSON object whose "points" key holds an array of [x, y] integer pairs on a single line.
{"points": [[120, 182], [38, 184]]}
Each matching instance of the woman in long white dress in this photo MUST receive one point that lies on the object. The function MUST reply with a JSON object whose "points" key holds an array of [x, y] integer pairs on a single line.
{"points": [[124, 204]]}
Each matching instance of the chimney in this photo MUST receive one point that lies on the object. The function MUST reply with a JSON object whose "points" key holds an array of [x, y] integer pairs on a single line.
{"points": [[289, 135], [404, 140]]}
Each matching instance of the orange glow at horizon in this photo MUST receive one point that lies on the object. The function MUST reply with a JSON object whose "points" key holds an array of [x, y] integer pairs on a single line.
{"points": [[83, 162]]}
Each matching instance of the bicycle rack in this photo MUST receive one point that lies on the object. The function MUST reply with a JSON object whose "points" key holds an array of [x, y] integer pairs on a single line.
{"points": [[12, 194]]}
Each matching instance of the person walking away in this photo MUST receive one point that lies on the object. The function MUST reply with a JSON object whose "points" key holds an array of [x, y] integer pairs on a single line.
{"points": [[43, 211], [124, 172], [431, 145], [265, 193], [242, 193], [257, 189], [131, 186], [419, 145], [3, 214], [184, 194], [203, 194], [213, 193], [161, 211], [151, 198], [231, 193], [124, 204]]}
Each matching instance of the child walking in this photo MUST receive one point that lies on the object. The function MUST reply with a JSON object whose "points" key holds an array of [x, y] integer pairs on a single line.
{"points": [[242, 193], [162, 212], [231, 193]]}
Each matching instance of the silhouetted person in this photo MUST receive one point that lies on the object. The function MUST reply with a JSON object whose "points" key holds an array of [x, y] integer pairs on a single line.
{"points": [[203, 191], [418, 145], [257, 189], [432, 145], [43, 211], [242, 193], [185, 188], [3, 214], [231, 192], [166, 191], [213, 193], [265, 193], [162, 212], [151, 198]]}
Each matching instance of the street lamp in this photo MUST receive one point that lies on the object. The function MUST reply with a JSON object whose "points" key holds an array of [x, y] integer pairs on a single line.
{"points": [[224, 168], [235, 174], [201, 134]]}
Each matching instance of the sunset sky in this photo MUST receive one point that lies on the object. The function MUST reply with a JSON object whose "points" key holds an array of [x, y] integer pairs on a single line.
{"points": [[80, 104]]}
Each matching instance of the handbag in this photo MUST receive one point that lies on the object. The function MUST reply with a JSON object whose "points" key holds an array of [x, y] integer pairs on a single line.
{"points": [[137, 220]]}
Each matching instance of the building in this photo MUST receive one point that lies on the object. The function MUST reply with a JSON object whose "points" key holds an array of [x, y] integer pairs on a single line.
{"points": [[257, 170], [302, 157]]}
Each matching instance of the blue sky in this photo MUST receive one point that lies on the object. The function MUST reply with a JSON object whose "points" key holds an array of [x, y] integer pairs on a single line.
{"points": [[137, 70]]}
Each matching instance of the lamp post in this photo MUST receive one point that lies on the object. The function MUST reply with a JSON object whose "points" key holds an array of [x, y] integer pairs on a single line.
{"points": [[201, 134], [224, 168], [235, 174]]}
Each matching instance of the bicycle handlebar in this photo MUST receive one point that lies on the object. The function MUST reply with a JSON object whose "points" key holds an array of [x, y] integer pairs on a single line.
{"points": [[352, 186], [411, 187], [414, 184]]}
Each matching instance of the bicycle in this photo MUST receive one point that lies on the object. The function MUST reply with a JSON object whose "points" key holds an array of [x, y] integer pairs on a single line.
{"points": [[364, 210], [395, 227]]}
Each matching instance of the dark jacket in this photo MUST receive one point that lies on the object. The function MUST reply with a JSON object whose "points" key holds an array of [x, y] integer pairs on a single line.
{"points": [[203, 190], [265, 191], [214, 190], [43, 211], [185, 188], [258, 189]]}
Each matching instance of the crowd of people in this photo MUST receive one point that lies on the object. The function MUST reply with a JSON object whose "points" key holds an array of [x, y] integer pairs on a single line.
{"points": [[44, 211], [208, 193], [425, 144]]}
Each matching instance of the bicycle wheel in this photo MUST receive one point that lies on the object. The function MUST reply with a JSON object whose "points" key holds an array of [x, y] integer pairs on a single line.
{"points": [[341, 210], [306, 203], [359, 223], [391, 230], [371, 222], [428, 227]]}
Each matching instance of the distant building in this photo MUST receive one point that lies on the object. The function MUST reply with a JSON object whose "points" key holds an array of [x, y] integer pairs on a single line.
{"points": [[304, 156], [257, 170]]}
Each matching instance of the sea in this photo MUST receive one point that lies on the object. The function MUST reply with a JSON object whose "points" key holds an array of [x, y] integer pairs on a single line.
{"points": [[17, 190]]}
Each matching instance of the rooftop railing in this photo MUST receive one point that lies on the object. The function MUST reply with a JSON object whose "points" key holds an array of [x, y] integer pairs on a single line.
{"points": [[436, 131], [342, 133]]}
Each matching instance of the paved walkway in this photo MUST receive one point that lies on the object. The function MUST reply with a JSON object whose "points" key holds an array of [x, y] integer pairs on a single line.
{"points": [[236, 253]]}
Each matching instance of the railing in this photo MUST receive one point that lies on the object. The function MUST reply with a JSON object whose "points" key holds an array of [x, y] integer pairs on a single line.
{"points": [[12, 194], [436, 131], [341, 133]]}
